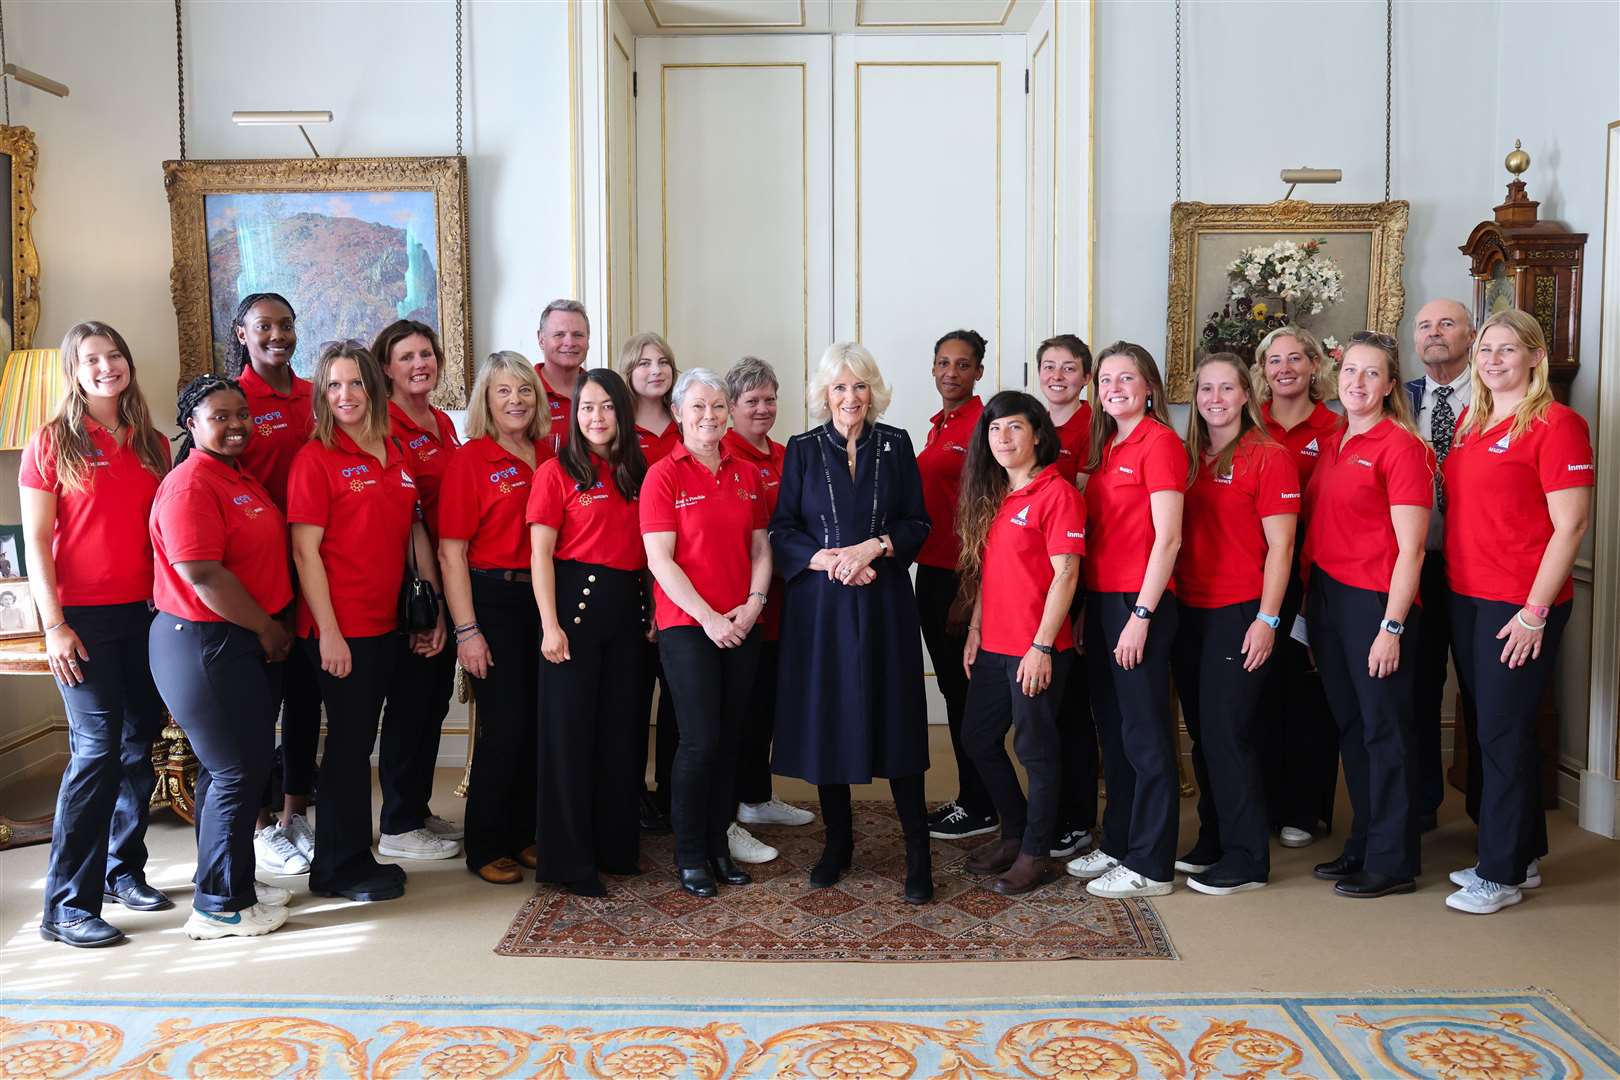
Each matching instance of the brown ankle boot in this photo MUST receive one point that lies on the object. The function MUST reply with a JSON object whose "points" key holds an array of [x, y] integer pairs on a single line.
{"points": [[1026, 873], [993, 857]]}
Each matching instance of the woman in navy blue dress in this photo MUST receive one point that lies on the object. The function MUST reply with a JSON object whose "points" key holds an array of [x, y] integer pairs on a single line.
{"points": [[848, 522]]}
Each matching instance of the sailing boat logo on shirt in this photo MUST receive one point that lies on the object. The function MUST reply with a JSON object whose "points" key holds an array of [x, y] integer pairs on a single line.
{"points": [[1311, 448], [1501, 445], [1022, 517]]}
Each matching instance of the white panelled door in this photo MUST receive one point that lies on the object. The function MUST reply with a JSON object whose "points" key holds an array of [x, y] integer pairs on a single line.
{"points": [[734, 203], [930, 175]]}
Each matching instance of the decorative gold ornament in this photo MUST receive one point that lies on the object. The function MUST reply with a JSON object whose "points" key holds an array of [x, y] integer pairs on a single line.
{"points": [[18, 143], [1517, 160]]}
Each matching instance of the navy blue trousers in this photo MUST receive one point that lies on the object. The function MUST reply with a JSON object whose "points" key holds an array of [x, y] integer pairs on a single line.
{"points": [[996, 702]]}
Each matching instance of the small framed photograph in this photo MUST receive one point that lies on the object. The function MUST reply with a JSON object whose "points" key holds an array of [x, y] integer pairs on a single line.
{"points": [[13, 557], [18, 616]]}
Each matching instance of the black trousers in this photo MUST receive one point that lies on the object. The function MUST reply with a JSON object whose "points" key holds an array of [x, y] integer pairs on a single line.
{"points": [[1299, 739], [1220, 701], [418, 699], [218, 688], [501, 790], [754, 754], [353, 707], [590, 720], [1077, 737], [1376, 736], [98, 837], [1512, 824], [1436, 642], [936, 592], [1138, 744], [711, 688], [300, 704], [996, 702]]}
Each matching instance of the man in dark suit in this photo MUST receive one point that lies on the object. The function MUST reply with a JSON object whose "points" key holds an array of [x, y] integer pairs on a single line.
{"points": [[1443, 336]]}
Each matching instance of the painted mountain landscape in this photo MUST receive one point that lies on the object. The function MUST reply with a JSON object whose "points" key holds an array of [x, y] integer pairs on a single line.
{"points": [[350, 262]]}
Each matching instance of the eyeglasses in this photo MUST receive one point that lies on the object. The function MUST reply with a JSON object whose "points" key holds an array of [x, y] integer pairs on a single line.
{"points": [[1373, 337], [352, 343]]}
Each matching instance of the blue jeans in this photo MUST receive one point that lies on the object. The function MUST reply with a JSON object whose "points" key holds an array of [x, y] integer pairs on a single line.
{"points": [[98, 838]]}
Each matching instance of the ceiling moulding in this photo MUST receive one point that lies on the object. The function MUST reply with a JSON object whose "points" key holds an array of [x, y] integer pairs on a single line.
{"points": [[890, 14], [726, 14]]}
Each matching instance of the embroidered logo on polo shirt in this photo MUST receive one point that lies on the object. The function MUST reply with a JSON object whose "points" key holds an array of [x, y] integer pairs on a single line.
{"points": [[1363, 462], [266, 422], [1127, 470], [1501, 445], [1081, 535], [1584, 467], [420, 441], [1225, 478], [596, 493], [250, 508], [956, 448], [502, 478], [1022, 517], [1311, 448], [405, 479], [358, 476], [1288, 495]]}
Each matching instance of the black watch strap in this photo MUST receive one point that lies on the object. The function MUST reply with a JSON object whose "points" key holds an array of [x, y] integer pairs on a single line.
{"points": [[1141, 612], [1049, 650]]}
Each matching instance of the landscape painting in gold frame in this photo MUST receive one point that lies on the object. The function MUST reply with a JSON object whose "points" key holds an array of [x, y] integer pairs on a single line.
{"points": [[352, 243]]}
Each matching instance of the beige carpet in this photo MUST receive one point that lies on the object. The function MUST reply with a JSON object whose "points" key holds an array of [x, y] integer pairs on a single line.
{"points": [[1292, 937]]}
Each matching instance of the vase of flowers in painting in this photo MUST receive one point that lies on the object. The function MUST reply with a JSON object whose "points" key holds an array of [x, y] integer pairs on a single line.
{"points": [[1272, 285]]}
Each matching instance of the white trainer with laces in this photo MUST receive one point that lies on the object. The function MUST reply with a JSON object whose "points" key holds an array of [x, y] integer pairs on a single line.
{"points": [[1292, 837], [1093, 864], [302, 834], [1122, 883], [439, 826], [745, 848], [272, 895], [417, 844], [772, 812], [249, 922], [1466, 877], [1483, 897], [275, 853]]}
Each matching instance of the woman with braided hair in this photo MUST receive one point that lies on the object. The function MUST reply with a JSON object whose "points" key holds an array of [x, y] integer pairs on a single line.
{"points": [[221, 578]]}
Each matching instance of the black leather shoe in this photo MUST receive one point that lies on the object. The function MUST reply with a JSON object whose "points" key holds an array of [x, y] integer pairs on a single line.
{"points": [[1338, 869], [367, 890], [919, 871], [724, 868], [591, 886], [91, 932], [138, 896], [1367, 885], [653, 820], [830, 867], [698, 882]]}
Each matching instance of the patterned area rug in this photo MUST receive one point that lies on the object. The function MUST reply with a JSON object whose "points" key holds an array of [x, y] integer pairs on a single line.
{"points": [[1522, 1035], [780, 917]]}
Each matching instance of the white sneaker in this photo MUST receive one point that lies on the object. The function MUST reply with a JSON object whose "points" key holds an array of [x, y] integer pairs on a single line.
{"points": [[417, 844], [1292, 837], [275, 852], [1532, 876], [1093, 864], [1483, 897], [250, 922], [772, 812], [439, 826], [302, 835], [1122, 882], [745, 848], [272, 895]]}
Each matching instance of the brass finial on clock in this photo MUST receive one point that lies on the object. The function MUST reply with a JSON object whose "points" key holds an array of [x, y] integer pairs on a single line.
{"points": [[1517, 160]]}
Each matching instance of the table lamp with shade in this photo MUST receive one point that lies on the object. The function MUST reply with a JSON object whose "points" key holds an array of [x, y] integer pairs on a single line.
{"points": [[31, 387]]}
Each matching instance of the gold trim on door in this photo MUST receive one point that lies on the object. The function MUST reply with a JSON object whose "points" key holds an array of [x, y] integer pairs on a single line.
{"points": [[860, 19], [723, 26]]}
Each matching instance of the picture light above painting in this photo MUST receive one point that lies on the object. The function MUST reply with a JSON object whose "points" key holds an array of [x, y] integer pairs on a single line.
{"points": [[352, 243]]}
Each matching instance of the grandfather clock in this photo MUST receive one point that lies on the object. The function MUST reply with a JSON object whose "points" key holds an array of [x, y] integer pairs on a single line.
{"points": [[1519, 261]]}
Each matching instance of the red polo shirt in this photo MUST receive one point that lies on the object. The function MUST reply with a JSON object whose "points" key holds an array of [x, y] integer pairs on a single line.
{"points": [[100, 545], [427, 457], [1223, 543], [594, 525], [769, 466], [713, 516], [940, 462], [207, 511], [656, 448], [281, 427], [561, 406], [482, 501], [1118, 507], [1305, 440], [1497, 524], [1348, 532], [367, 510], [1074, 443], [1046, 517]]}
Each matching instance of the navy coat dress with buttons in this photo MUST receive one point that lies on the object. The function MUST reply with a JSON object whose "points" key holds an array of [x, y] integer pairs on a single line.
{"points": [[850, 702]]}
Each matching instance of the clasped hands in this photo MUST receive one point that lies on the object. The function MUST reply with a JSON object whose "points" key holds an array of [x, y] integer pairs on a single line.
{"points": [[849, 565]]}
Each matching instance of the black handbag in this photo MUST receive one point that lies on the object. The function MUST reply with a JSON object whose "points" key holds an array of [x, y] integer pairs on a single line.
{"points": [[418, 600]]}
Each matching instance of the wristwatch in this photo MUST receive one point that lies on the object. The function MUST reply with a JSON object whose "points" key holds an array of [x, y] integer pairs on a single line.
{"points": [[1540, 611], [1047, 649], [1272, 621], [1141, 612], [1392, 627]]}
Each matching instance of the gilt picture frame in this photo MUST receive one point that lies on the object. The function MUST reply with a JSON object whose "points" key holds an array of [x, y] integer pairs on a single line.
{"points": [[19, 279], [1365, 240], [352, 243]]}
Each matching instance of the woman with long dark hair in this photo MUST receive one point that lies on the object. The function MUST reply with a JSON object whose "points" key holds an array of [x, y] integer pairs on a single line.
{"points": [[1237, 530], [221, 581], [588, 584], [485, 559], [1368, 511], [281, 406], [419, 693], [1023, 529], [352, 504], [1138, 471], [87, 482]]}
